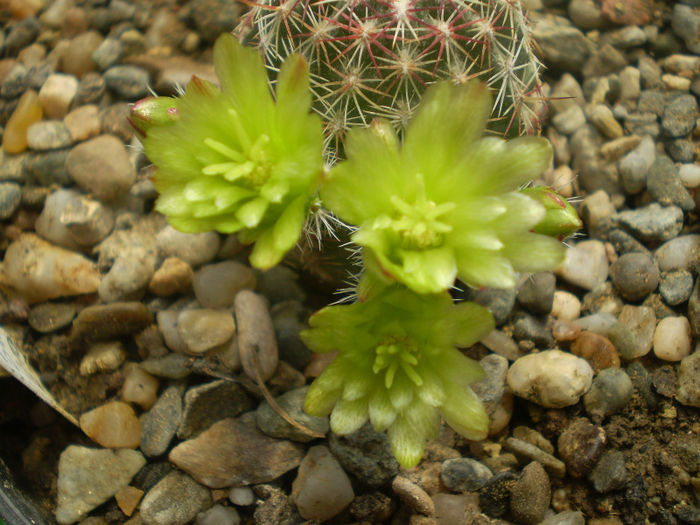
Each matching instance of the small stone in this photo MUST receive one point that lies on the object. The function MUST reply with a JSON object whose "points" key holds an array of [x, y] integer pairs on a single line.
{"points": [[681, 150], [49, 224], [10, 198], [596, 349], [91, 89], [570, 517], [292, 402], [102, 322], [602, 118], [77, 58], [580, 445], [112, 425], [530, 495], [586, 14], [256, 335], [491, 388], [532, 452], [680, 253], [689, 175], [87, 221], [128, 498], [174, 500], [536, 293], [50, 317], [563, 46], [552, 378], [128, 82], [203, 329], [665, 185], [635, 165], [218, 515], [171, 366], [652, 223], [596, 208], [57, 94], [128, 277], [27, 112], [108, 53], [321, 489], [672, 339], [565, 330], [40, 271], [193, 248], [569, 119], [566, 92], [213, 17], [494, 496], [241, 496], [464, 474], [173, 276], [641, 322], [206, 404], [215, 285], [688, 392], [675, 82], [610, 392], [160, 422], [586, 264], [47, 135], [566, 306], [630, 77], [139, 386], [234, 452], [610, 473], [679, 116], [676, 287], [87, 477], [83, 122], [599, 322], [634, 275], [413, 496], [107, 156], [664, 381], [102, 357], [685, 21]]}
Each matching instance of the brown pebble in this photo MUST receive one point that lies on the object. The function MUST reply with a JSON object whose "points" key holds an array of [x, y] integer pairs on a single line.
{"points": [[257, 344], [77, 57], [563, 330], [27, 112], [109, 321], [113, 425], [596, 349], [139, 387], [413, 496], [128, 498], [580, 446], [530, 495], [173, 276]]}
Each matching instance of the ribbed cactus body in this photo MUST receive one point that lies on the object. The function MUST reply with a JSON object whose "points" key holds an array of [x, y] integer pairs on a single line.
{"points": [[374, 58]]}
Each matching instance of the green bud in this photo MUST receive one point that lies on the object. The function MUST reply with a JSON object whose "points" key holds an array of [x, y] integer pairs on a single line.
{"points": [[153, 112], [561, 219]]}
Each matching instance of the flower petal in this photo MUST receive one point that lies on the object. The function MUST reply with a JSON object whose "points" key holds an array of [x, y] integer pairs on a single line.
{"points": [[349, 416], [406, 444], [381, 412], [325, 390], [472, 322], [464, 412], [481, 268]]}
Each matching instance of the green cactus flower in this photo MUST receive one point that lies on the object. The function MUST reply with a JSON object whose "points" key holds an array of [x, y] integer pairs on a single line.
{"points": [[397, 366], [234, 160], [561, 219], [444, 203]]}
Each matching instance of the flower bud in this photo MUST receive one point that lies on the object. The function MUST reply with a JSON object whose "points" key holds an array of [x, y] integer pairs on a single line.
{"points": [[150, 112], [561, 219]]}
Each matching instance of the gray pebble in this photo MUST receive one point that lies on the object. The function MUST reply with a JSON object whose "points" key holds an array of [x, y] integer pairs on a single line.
{"points": [[91, 89], [280, 284], [530, 495], [128, 82], [288, 319], [569, 120], [664, 381], [635, 165], [46, 168], [49, 317], [623, 242], [685, 22], [527, 450], [650, 71], [292, 402], [215, 285], [536, 293], [499, 302], [634, 275], [568, 517], [665, 185], [680, 253], [160, 422], [213, 17], [464, 474], [21, 34], [48, 134], [171, 366], [256, 335], [679, 116], [652, 101], [643, 384], [174, 500], [688, 392], [675, 287], [586, 264], [652, 223], [610, 392], [241, 496], [637, 123], [610, 473], [87, 220], [16, 82], [10, 198], [529, 328], [108, 53], [694, 308], [193, 248], [491, 388], [623, 339], [681, 150], [128, 277]]}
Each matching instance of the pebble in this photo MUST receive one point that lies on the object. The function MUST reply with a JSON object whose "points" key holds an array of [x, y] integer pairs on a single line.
{"points": [[47, 168], [27, 112], [292, 402], [213, 17], [532, 452], [215, 285], [634, 275], [87, 221], [569, 517], [675, 287], [601, 116], [171, 366], [112, 425], [652, 223], [413, 496], [91, 89], [652, 101], [580, 445], [40, 271], [665, 185], [685, 22], [610, 392], [108, 53], [689, 175], [565, 330], [256, 335], [57, 94], [366, 454], [630, 77], [464, 474], [499, 302], [530, 495], [603, 299], [553, 379], [688, 392], [83, 122], [203, 329], [565, 306], [599, 322], [77, 57], [536, 293], [160, 422], [210, 402], [672, 338], [139, 386], [102, 322], [491, 388], [10, 198], [234, 452], [102, 357], [87, 477], [174, 500], [529, 328], [596, 349], [128, 82], [49, 224], [566, 92], [218, 515], [289, 318], [128, 277], [241, 496], [494, 496], [193, 248], [679, 253], [47, 135], [173, 276], [563, 46], [23, 32], [596, 208], [586, 14], [679, 116], [50, 317], [586, 264], [664, 381], [635, 165], [321, 489], [167, 324], [681, 150], [610, 473], [128, 498], [569, 119]]}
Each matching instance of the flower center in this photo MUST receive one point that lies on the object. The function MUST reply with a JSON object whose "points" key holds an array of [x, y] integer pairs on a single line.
{"points": [[249, 165], [394, 353]]}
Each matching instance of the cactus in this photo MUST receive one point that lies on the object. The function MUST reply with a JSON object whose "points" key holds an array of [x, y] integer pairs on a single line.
{"points": [[375, 58]]}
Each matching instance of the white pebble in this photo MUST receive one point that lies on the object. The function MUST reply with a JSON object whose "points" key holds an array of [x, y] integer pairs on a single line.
{"points": [[218, 515], [193, 248], [672, 338], [203, 329], [566, 306], [57, 93], [215, 285], [586, 265], [242, 496], [690, 175]]}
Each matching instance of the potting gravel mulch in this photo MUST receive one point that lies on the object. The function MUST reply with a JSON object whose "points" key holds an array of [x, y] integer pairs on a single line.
{"points": [[593, 374]]}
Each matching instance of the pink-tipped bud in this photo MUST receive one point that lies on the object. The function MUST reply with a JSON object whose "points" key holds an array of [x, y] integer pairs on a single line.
{"points": [[561, 219], [153, 112]]}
